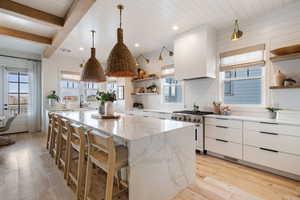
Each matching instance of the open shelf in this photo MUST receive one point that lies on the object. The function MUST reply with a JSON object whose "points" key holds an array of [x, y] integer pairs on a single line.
{"points": [[284, 87], [285, 57], [145, 93], [146, 79]]}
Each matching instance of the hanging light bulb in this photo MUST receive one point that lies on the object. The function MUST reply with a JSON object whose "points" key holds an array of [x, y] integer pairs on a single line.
{"points": [[237, 33], [120, 62], [92, 70]]}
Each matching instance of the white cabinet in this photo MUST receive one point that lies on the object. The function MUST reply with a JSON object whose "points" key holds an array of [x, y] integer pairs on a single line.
{"points": [[276, 160], [266, 144], [273, 145], [195, 54], [225, 148], [224, 137]]}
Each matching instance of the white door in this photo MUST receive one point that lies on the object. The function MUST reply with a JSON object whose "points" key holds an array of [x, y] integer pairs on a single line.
{"points": [[16, 97]]}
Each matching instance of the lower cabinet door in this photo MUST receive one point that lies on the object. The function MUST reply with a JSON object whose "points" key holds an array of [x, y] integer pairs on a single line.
{"points": [[224, 147], [273, 159]]}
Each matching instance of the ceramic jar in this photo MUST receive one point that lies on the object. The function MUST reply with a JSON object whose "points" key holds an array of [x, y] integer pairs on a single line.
{"points": [[109, 108], [280, 77], [101, 109]]}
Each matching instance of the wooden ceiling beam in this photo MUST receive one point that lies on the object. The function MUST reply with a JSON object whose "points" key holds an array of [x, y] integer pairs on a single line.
{"points": [[25, 36], [78, 9], [17, 9]]}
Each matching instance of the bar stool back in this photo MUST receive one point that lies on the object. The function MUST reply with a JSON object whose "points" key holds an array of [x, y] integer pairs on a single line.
{"points": [[50, 115], [77, 146], [63, 144], [54, 136], [103, 152]]}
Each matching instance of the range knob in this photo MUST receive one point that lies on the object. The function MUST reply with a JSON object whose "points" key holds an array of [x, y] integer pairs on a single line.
{"points": [[195, 120], [189, 119]]}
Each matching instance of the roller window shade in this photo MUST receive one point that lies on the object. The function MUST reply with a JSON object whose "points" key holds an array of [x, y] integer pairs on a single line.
{"points": [[243, 58], [167, 71], [72, 76]]}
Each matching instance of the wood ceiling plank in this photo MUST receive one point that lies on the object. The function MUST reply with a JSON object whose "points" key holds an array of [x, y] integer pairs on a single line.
{"points": [[25, 36], [33, 14], [78, 9]]}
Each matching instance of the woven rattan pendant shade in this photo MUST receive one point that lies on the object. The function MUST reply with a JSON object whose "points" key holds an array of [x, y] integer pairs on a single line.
{"points": [[92, 70], [120, 62]]}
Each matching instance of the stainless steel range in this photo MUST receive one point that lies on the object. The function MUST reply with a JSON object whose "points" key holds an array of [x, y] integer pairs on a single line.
{"points": [[197, 118]]}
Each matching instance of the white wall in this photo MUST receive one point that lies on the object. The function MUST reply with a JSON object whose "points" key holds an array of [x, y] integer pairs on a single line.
{"points": [[277, 29], [51, 68]]}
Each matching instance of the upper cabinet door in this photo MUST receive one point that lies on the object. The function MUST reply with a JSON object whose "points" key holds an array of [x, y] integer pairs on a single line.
{"points": [[195, 54]]}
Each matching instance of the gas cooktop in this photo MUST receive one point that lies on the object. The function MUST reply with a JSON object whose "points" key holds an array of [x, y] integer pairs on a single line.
{"points": [[191, 112]]}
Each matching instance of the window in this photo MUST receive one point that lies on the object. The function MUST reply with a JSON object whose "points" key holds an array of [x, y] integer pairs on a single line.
{"points": [[18, 91], [242, 73], [171, 88]]}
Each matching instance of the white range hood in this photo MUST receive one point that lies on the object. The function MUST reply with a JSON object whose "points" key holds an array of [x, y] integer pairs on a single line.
{"points": [[195, 54]]}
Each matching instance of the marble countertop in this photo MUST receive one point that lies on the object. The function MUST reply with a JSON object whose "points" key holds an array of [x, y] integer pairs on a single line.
{"points": [[128, 127], [256, 119], [151, 110]]}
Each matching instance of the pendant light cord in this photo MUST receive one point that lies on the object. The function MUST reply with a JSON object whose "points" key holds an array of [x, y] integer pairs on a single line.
{"points": [[93, 36], [120, 7]]}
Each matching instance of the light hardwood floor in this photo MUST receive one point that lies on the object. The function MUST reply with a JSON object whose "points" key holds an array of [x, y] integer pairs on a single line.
{"points": [[27, 172]]}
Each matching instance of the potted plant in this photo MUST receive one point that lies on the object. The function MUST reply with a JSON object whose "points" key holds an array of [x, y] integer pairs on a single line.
{"points": [[152, 88], [273, 112], [52, 98], [106, 100]]}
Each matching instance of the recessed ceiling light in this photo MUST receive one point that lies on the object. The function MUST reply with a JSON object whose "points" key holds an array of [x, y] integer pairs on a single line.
{"points": [[175, 28], [81, 48], [136, 44]]}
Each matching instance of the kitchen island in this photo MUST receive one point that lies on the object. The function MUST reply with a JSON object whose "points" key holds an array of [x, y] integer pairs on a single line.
{"points": [[161, 158]]}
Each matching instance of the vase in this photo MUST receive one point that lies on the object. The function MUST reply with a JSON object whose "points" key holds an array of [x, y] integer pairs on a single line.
{"points": [[101, 109], [280, 77], [109, 108], [273, 115], [51, 102]]}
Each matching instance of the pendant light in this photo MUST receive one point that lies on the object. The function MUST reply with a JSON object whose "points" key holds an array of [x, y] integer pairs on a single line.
{"points": [[92, 70], [120, 62], [237, 33]]}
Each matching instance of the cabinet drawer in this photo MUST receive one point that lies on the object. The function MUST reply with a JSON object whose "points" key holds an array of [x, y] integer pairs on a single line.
{"points": [[283, 143], [273, 128], [224, 122], [276, 160], [221, 132], [229, 149]]}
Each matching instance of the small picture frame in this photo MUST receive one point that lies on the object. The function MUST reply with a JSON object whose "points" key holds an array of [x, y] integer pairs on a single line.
{"points": [[120, 92]]}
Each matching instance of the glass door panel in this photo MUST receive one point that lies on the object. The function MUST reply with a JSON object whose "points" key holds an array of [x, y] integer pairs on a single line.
{"points": [[16, 99]]}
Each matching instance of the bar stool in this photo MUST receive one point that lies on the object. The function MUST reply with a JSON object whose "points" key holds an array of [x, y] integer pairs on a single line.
{"points": [[103, 153], [77, 146], [54, 136], [50, 115], [63, 145]]}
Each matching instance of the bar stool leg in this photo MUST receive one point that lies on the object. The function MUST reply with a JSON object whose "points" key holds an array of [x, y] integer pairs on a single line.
{"points": [[80, 172], [109, 183], [88, 180], [48, 137]]}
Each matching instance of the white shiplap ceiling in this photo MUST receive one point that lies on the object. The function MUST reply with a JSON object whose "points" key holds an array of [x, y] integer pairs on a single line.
{"points": [[147, 22], [150, 22]]}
